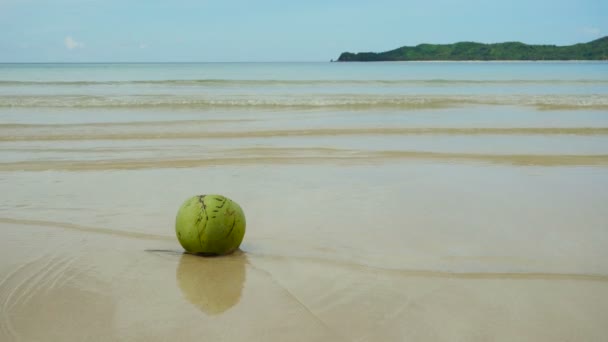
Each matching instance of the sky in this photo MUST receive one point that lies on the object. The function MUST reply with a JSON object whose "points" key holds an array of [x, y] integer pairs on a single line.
{"points": [[273, 30]]}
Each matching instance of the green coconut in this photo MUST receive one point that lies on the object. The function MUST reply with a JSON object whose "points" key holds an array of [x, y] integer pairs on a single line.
{"points": [[210, 225]]}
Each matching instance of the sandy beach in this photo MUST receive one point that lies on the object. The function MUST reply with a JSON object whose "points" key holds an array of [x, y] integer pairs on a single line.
{"points": [[465, 222]]}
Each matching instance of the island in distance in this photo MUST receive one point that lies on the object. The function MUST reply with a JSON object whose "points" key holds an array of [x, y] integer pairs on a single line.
{"points": [[471, 51]]}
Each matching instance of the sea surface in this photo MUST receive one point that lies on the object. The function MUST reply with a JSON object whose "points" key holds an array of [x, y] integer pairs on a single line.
{"points": [[384, 201]]}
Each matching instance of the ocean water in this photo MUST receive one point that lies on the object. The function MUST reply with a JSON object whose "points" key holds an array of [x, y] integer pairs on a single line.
{"points": [[446, 156], [305, 85]]}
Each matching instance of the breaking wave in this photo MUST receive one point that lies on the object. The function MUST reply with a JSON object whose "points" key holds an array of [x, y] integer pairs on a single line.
{"points": [[347, 101]]}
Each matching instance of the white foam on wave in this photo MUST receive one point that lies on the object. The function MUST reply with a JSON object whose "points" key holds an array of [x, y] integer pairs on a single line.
{"points": [[353, 101]]}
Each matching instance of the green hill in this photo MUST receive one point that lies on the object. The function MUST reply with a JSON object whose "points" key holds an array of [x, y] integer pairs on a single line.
{"points": [[470, 51]]}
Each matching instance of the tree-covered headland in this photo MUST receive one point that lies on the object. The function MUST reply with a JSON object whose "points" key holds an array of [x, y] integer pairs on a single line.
{"points": [[471, 51]]}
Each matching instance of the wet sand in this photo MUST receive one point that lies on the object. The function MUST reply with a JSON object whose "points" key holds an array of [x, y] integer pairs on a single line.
{"points": [[357, 231]]}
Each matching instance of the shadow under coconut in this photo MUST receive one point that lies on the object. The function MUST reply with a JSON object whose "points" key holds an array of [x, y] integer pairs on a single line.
{"points": [[212, 284]]}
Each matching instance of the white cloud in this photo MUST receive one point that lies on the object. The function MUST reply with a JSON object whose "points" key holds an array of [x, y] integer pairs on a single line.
{"points": [[72, 44], [591, 31]]}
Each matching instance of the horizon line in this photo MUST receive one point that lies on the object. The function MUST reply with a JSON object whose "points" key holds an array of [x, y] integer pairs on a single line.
{"points": [[330, 61], [162, 62]]}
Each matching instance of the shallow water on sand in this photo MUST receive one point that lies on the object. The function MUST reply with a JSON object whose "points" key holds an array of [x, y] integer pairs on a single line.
{"points": [[423, 201]]}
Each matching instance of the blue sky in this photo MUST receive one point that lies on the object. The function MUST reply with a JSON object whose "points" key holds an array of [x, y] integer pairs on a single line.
{"points": [[273, 30]]}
